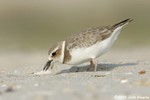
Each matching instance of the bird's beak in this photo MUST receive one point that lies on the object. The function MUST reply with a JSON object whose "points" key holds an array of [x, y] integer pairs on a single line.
{"points": [[47, 65]]}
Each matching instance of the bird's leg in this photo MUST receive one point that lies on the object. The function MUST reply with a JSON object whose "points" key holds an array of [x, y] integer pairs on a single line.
{"points": [[93, 66]]}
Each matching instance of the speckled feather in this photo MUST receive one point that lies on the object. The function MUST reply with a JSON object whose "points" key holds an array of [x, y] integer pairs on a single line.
{"points": [[91, 36], [85, 45], [87, 37]]}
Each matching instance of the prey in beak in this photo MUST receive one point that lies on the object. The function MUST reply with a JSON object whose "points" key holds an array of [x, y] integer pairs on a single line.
{"points": [[47, 65]]}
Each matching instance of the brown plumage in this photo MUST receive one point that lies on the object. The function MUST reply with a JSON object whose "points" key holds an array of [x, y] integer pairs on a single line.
{"points": [[67, 51], [91, 36]]}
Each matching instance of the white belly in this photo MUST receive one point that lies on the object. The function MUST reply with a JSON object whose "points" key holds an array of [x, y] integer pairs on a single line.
{"points": [[82, 55]]}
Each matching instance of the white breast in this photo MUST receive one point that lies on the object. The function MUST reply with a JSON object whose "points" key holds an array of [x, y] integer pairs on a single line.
{"points": [[82, 55]]}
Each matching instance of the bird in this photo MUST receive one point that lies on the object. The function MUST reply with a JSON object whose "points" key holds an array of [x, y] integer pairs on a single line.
{"points": [[85, 46]]}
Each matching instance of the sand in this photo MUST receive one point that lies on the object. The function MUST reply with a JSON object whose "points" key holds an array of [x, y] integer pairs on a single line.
{"points": [[121, 75]]}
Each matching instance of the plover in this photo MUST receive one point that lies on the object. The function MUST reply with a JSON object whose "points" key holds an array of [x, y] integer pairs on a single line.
{"points": [[85, 46]]}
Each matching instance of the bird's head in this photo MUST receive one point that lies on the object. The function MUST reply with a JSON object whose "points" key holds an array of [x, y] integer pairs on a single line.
{"points": [[55, 54]]}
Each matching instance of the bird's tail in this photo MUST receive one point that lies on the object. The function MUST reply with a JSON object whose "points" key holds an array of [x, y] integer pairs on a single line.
{"points": [[122, 23]]}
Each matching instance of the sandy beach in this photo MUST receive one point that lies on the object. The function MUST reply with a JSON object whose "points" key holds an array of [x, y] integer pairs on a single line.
{"points": [[28, 28], [122, 74]]}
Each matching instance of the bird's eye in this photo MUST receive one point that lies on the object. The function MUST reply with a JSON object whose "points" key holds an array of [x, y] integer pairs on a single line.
{"points": [[53, 54]]}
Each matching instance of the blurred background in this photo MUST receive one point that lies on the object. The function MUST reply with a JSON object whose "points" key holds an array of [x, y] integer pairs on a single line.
{"points": [[30, 25], [33, 25]]}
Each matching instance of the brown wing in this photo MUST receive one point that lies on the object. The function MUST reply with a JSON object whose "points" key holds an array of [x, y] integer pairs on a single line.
{"points": [[88, 37]]}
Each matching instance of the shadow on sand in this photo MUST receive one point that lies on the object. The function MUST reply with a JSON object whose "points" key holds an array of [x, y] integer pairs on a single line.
{"points": [[100, 67]]}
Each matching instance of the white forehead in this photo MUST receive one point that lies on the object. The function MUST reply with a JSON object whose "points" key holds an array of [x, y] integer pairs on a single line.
{"points": [[52, 49], [56, 47]]}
